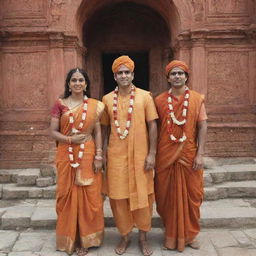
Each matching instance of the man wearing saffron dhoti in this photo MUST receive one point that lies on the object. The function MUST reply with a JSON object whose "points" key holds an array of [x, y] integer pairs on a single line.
{"points": [[131, 116], [179, 160]]}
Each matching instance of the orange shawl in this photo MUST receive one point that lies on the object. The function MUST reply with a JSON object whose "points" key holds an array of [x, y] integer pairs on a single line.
{"points": [[79, 208], [126, 177], [178, 188]]}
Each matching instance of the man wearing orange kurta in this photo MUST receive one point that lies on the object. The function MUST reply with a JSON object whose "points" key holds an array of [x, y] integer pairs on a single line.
{"points": [[130, 114], [179, 161]]}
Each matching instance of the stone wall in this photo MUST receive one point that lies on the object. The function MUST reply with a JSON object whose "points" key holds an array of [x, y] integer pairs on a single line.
{"points": [[41, 40]]}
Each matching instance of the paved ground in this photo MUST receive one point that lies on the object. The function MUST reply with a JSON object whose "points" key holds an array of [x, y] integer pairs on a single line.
{"points": [[214, 242], [230, 204]]}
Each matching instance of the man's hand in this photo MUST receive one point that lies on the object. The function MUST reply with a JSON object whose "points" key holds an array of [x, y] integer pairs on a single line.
{"points": [[152, 134], [149, 162], [198, 163], [97, 165]]}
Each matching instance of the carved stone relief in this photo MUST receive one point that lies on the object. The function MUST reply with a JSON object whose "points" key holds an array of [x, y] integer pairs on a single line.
{"points": [[198, 9], [24, 13], [56, 10], [25, 81], [228, 6], [229, 11], [228, 78]]}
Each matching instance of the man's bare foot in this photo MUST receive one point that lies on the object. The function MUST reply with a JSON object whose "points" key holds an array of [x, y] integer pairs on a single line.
{"points": [[145, 248], [81, 251], [122, 246], [194, 244]]}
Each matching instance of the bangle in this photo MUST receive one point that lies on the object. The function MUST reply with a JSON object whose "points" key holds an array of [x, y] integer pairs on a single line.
{"points": [[69, 140], [99, 150], [98, 157]]}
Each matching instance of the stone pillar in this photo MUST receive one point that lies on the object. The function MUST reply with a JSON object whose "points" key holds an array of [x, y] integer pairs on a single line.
{"points": [[56, 67], [73, 53], [198, 79], [93, 67], [182, 49], [156, 82]]}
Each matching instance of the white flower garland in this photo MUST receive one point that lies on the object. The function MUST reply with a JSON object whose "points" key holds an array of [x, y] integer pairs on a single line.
{"points": [[123, 135], [173, 117], [74, 130]]}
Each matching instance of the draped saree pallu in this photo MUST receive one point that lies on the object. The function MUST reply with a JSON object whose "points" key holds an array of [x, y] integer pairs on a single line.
{"points": [[78, 197], [178, 188]]}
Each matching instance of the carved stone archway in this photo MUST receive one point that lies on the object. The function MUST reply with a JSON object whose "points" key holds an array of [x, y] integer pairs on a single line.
{"points": [[126, 28], [131, 26]]}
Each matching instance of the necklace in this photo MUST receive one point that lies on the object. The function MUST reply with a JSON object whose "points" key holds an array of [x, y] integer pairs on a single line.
{"points": [[72, 105], [172, 118], [123, 135], [74, 130]]}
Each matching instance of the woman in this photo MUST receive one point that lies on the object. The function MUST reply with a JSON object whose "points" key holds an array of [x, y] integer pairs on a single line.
{"points": [[79, 206]]}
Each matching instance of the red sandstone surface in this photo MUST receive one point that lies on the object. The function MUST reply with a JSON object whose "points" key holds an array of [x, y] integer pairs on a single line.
{"points": [[41, 40]]}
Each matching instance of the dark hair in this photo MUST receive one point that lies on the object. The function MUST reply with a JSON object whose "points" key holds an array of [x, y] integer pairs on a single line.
{"points": [[67, 93], [187, 75]]}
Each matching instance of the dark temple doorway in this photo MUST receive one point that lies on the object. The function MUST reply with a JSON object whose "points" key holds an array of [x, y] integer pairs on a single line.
{"points": [[141, 71], [126, 28]]}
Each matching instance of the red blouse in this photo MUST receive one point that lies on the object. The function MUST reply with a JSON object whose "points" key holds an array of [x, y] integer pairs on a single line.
{"points": [[58, 109]]}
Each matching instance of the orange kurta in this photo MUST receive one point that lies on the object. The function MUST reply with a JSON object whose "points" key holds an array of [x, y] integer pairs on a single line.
{"points": [[178, 188], [79, 208], [126, 177]]}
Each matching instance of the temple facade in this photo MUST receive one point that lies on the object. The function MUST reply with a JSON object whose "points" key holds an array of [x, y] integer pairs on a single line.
{"points": [[41, 40]]}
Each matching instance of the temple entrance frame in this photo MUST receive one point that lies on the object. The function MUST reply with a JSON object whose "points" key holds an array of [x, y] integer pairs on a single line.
{"points": [[144, 32]]}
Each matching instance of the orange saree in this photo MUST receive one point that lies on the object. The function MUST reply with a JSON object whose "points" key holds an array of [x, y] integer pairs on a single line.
{"points": [[178, 188], [79, 208]]}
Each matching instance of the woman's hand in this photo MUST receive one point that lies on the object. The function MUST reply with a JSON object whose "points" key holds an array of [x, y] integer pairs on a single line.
{"points": [[97, 165], [78, 138]]}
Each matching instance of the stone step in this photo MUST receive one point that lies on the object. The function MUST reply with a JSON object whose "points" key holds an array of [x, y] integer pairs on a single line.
{"points": [[45, 181], [40, 214], [28, 177], [229, 213], [12, 191], [208, 181], [214, 175], [239, 189], [9, 175], [211, 162], [48, 170], [45, 176], [238, 172]]}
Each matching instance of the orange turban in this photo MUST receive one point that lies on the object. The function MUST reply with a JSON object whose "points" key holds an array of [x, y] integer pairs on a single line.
{"points": [[122, 60], [174, 64]]}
